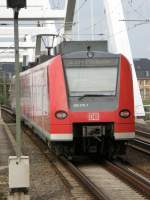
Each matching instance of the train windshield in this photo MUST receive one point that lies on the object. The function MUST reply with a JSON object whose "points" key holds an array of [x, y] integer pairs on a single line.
{"points": [[98, 80]]}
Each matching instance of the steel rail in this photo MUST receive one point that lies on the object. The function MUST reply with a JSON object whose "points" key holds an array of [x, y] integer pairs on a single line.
{"points": [[143, 133], [139, 149], [7, 109], [141, 142], [91, 187], [99, 193], [132, 177]]}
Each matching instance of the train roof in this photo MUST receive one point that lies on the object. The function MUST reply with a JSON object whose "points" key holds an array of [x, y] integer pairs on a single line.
{"points": [[84, 54], [67, 47]]}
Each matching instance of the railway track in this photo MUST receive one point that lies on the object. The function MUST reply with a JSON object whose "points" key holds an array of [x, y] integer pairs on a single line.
{"points": [[131, 178], [143, 134], [104, 181], [141, 142]]}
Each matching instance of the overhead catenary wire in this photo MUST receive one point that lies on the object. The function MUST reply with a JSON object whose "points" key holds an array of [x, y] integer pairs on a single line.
{"points": [[128, 29], [80, 7], [136, 20], [140, 6], [76, 22], [119, 32], [76, 12], [98, 21], [135, 10], [1, 52]]}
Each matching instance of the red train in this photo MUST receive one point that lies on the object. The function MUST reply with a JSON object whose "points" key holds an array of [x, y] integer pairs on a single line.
{"points": [[80, 102]]}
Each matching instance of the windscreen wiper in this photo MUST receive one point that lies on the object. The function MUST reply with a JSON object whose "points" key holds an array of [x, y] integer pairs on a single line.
{"points": [[93, 95]]}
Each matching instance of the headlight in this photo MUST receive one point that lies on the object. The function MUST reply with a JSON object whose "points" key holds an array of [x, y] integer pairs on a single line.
{"points": [[124, 113], [90, 54], [61, 114]]}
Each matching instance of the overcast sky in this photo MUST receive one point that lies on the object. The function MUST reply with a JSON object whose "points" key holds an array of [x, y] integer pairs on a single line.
{"points": [[139, 34]]}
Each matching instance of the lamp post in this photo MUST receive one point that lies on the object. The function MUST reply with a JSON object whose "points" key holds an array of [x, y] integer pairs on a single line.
{"points": [[16, 5]]}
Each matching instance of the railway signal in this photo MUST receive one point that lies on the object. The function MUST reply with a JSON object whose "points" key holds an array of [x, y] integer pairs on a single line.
{"points": [[16, 4]]}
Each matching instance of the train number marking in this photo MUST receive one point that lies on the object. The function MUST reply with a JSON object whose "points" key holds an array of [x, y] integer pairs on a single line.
{"points": [[93, 116], [82, 105]]}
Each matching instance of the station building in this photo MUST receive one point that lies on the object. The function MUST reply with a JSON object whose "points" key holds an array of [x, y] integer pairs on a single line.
{"points": [[142, 67]]}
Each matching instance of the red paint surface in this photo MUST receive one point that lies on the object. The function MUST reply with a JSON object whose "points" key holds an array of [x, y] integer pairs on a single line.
{"points": [[57, 97], [58, 101]]}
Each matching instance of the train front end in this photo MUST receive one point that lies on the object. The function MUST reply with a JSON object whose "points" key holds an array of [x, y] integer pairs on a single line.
{"points": [[92, 106]]}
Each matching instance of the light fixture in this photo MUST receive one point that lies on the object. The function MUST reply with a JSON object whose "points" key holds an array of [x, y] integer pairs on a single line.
{"points": [[124, 113], [61, 114]]}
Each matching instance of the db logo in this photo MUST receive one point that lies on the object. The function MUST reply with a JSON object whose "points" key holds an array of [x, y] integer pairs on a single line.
{"points": [[93, 116]]}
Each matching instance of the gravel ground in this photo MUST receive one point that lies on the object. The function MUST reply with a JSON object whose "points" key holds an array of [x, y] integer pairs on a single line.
{"points": [[3, 184], [46, 182], [138, 159], [6, 150], [145, 126]]}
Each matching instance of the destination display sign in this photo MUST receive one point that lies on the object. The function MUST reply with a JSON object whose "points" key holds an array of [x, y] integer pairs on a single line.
{"points": [[74, 62]]}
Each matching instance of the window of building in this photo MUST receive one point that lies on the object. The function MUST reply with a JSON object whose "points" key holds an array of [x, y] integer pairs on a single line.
{"points": [[147, 73], [147, 93], [141, 82], [147, 82], [142, 92]]}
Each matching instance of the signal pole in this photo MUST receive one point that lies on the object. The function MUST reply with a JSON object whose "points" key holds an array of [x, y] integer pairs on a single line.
{"points": [[19, 164], [4, 87], [17, 85]]}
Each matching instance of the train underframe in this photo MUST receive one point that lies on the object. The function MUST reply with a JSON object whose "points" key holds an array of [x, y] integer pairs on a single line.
{"points": [[91, 139]]}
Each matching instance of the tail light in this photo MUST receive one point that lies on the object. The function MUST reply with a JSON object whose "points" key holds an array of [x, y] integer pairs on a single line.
{"points": [[61, 114], [124, 113]]}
